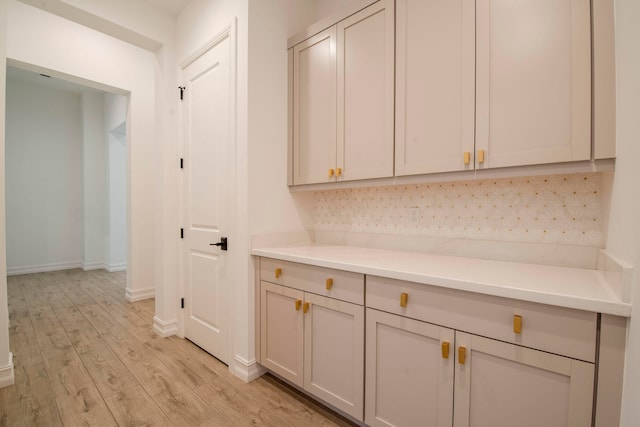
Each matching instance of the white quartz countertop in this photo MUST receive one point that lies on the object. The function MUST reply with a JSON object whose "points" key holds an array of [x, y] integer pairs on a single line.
{"points": [[582, 289]]}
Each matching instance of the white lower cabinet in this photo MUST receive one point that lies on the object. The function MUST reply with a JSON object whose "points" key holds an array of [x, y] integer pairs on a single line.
{"points": [[410, 368], [410, 379], [504, 385], [434, 357], [316, 343]]}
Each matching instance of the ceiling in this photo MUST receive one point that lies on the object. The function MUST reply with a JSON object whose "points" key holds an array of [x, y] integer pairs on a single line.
{"points": [[172, 6]]}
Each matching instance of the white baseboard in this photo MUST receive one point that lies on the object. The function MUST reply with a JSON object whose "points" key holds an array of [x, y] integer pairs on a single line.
{"points": [[6, 373], [111, 268], [246, 370], [164, 329], [92, 266], [14, 271], [139, 294]]}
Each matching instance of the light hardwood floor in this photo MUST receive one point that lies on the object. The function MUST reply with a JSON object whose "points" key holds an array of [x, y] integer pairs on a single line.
{"points": [[83, 355]]}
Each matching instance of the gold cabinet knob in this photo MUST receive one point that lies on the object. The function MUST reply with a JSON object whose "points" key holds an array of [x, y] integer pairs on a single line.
{"points": [[480, 156], [298, 304], [338, 172], [278, 273], [445, 350], [331, 173], [467, 157], [404, 297], [517, 324], [462, 355], [305, 308], [329, 284]]}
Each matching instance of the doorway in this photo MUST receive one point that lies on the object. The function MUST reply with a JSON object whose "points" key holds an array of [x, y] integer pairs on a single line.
{"points": [[65, 172]]}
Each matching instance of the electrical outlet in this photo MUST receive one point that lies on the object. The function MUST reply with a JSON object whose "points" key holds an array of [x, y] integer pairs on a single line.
{"points": [[414, 215]]}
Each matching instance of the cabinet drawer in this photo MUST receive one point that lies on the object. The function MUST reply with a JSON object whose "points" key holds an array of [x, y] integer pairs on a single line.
{"points": [[557, 330], [343, 285]]}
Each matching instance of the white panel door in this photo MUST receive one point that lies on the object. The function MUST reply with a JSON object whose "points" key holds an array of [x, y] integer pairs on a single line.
{"points": [[533, 81], [334, 352], [435, 85], [314, 108], [365, 61], [505, 385], [409, 381], [207, 120], [282, 331]]}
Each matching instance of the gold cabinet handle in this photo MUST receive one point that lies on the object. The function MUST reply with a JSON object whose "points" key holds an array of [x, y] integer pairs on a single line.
{"points": [[305, 307], [517, 324], [329, 284], [298, 304], [338, 172], [445, 350], [404, 297], [467, 157], [462, 355], [480, 156], [331, 172], [278, 273]]}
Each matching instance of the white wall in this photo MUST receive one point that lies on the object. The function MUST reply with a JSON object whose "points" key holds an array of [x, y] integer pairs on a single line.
{"points": [[94, 183], [41, 39], [6, 359], [624, 230], [114, 137], [44, 216]]}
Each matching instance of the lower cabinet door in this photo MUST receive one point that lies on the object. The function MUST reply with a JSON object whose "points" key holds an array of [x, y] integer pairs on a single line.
{"points": [[281, 331], [409, 372], [504, 385], [334, 353]]}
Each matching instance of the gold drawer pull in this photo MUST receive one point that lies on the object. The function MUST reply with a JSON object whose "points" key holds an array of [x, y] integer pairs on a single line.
{"points": [[517, 324], [462, 355], [298, 304], [480, 156], [445, 350], [278, 273], [339, 172], [467, 157], [305, 307], [329, 284], [404, 297], [331, 173]]}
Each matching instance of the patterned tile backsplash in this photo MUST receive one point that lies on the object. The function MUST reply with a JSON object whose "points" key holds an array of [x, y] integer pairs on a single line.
{"points": [[556, 209]]}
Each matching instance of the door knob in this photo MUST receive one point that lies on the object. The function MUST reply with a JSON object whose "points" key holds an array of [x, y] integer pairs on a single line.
{"points": [[222, 243]]}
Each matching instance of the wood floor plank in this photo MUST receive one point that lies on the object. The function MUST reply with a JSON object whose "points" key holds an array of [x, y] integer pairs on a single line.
{"points": [[78, 399], [134, 407], [107, 371], [190, 372], [79, 330]]}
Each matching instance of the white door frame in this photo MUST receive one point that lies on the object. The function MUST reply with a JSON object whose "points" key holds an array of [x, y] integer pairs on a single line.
{"points": [[229, 32]]}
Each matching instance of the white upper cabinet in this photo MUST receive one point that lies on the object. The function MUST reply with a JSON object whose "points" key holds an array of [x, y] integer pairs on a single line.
{"points": [[314, 108], [533, 82], [343, 99], [365, 93], [435, 85], [410, 87]]}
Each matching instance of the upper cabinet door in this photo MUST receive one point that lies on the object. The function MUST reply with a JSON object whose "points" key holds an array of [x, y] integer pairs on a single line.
{"points": [[533, 82], [314, 108], [435, 85], [365, 93]]}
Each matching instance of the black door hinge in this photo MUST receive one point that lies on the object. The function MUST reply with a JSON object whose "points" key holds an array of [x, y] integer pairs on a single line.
{"points": [[182, 89], [181, 302], [181, 163], [182, 233]]}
